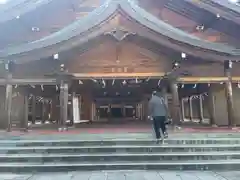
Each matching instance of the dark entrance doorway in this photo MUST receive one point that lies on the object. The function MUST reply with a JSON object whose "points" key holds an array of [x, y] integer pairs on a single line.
{"points": [[116, 112], [103, 112], [130, 111]]}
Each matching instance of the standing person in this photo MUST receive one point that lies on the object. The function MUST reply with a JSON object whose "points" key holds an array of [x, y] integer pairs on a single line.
{"points": [[158, 112]]}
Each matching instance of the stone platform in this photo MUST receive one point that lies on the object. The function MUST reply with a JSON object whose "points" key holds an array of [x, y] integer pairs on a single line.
{"points": [[126, 175], [71, 151]]}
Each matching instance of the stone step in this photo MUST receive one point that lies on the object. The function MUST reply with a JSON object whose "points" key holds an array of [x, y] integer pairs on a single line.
{"points": [[121, 165], [75, 158], [121, 149], [116, 135], [23, 143]]}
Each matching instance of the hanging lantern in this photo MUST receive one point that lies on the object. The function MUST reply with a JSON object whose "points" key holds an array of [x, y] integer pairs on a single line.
{"points": [[183, 55], [175, 65], [55, 56]]}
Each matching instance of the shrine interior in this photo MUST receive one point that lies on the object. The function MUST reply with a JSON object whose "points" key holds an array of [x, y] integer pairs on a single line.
{"points": [[114, 101]]}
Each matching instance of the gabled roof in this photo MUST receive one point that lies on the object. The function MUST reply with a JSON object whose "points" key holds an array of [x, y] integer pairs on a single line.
{"points": [[227, 4], [224, 8], [16, 8], [102, 14]]}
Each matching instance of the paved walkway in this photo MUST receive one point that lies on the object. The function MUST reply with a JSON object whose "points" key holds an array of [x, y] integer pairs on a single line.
{"points": [[127, 175]]}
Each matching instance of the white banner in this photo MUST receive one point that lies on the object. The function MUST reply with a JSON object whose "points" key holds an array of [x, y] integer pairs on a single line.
{"points": [[76, 110]]}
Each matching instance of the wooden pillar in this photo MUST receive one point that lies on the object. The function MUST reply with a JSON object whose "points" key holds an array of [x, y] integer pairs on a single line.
{"points": [[229, 93], [165, 95], [211, 106], [123, 110], [190, 108], [145, 106], [63, 104], [72, 114], [25, 123], [200, 108], [43, 112], [182, 109], [176, 105], [8, 106], [33, 109], [9, 66], [87, 105], [80, 107]]}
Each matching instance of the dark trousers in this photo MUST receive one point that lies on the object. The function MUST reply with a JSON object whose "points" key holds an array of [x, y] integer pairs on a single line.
{"points": [[159, 123]]}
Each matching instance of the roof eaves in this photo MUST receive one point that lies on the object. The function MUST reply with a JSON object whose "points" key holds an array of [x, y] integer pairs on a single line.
{"points": [[18, 8], [176, 34], [102, 13]]}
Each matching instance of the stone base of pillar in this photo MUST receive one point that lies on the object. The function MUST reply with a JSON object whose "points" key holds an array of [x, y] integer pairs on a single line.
{"points": [[62, 129], [24, 130], [214, 126], [234, 126]]}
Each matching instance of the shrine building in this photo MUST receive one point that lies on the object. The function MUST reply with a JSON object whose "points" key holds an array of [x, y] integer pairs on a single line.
{"points": [[71, 62]]}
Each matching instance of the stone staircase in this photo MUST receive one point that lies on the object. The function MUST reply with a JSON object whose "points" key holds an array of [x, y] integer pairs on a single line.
{"points": [[70, 155]]}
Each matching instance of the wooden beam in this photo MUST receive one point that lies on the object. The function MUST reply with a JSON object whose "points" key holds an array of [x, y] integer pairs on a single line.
{"points": [[154, 75], [205, 79], [185, 80], [117, 75], [27, 81]]}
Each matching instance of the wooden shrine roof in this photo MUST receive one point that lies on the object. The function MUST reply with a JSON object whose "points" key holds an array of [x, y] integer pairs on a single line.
{"points": [[49, 16], [30, 20], [93, 25], [189, 15]]}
